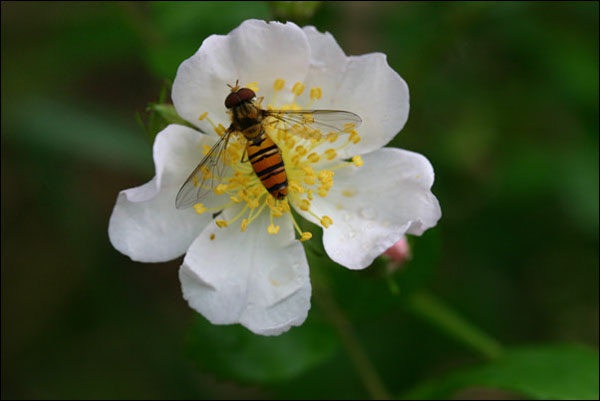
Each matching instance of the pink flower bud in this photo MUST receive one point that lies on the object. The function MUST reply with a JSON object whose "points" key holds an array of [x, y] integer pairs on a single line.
{"points": [[398, 254]]}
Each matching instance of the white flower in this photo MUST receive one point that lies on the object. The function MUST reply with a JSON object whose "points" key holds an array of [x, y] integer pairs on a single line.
{"points": [[246, 265]]}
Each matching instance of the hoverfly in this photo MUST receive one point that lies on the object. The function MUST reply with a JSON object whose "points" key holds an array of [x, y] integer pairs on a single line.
{"points": [[248, 118]]}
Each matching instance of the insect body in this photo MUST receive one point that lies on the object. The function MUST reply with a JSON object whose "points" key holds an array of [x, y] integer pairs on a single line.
{"points": [[263, 153], [250, 120]]}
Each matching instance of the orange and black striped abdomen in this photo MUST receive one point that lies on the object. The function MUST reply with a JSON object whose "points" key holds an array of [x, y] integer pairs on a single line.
{"points": [[266, 160]]}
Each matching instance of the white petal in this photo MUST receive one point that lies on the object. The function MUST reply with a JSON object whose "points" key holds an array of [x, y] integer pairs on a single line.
{"points": [[374, 205], [365, 85], [256, 51], [145, 225], [253, 278]]}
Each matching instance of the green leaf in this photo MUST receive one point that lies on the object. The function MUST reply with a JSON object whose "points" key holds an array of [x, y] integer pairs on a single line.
{"points": [[538, 372], [233, 352]]}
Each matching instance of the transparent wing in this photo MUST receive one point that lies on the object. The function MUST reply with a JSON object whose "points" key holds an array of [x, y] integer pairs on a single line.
{"points": [[205, 177], [315, 123]]}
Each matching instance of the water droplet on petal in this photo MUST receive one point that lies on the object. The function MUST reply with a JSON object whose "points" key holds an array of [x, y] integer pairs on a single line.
{"points": [[367, 212], [346, 216]]}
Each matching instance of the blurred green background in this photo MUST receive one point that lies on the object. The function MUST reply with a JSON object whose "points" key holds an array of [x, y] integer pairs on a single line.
{"points": [[504, 103]]}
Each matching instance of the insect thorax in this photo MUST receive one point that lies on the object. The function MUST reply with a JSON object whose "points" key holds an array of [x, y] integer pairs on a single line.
{"points": [[247, 118]]}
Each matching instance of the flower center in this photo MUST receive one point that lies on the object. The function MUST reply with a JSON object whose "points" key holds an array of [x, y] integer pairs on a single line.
{"points": [[309, 158]]}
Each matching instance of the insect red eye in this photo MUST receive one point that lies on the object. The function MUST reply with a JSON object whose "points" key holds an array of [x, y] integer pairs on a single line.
{"points": [[232, 100], [245, 94], [235, 98]]}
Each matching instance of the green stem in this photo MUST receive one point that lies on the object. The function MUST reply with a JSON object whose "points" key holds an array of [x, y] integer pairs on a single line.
{"points": [[365, 369], [433, 310]]}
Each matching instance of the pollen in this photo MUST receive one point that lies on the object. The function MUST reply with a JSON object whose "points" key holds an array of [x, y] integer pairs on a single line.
{"points": [[221, 223], [220, 129], [298, 88], [357, 160], [315, 93], [310, 180], [203, 116], [273, 229], [304, 205], [199, 208], [331, 154], [279, 84], [300, 150], [348, 127], [313, 157], [305, 236], [212, 237], [326, 221], [296, 187], [220, 189], [253, 86]]}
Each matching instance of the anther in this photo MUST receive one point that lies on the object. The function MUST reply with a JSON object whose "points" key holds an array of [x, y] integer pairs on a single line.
{"points": [[273, 229], [298, 88], [326, 221], [253, 86], [199, 208], [313, 157], [315, 93], [220, 189], [304, 205], [305, 236], [357, 160], [220, 129], [310, 180], [279, 84], [331, 154], [203, 116], [294, 186]]}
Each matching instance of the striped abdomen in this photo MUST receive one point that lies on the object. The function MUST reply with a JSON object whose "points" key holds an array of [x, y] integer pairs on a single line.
{"points": [[266, 160]]}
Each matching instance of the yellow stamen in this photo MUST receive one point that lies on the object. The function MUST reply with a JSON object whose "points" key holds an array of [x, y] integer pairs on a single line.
{"points": [[331, 154], [220, 189], [203, 116], [279, 84], [273, 229], [326, 221], [309, 180], [199, 208], [304, 205], [357, 160], [296, 187], [253, 86], [305, 236], [221, 223], [315, 93], [313, 157], [220, 130], [298, 88]]}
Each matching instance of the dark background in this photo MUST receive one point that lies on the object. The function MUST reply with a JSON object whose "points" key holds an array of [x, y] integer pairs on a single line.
{"points": [[504, 103]]}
